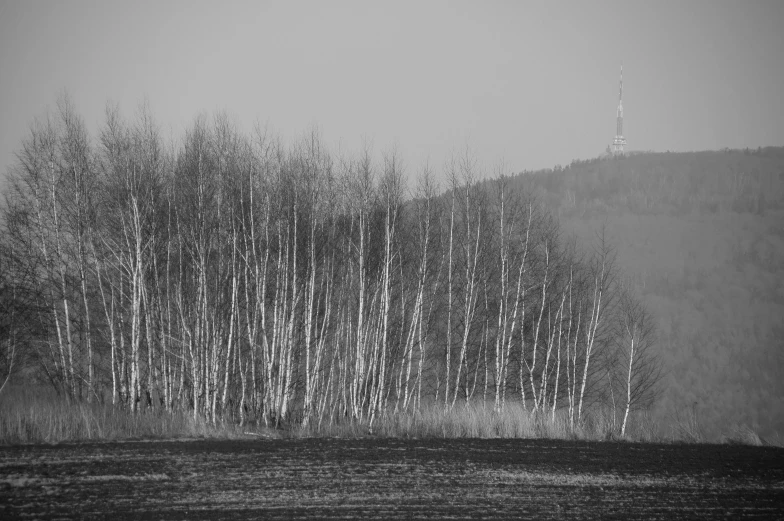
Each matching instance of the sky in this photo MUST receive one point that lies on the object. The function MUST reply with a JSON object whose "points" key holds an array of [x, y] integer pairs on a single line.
{"points": [[532, 84]]}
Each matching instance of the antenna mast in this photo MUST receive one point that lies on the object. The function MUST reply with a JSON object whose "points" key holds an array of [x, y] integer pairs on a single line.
{"points": [[619, 142]]}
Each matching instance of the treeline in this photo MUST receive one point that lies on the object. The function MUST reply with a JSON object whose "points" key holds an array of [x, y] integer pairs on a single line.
{"points": [[741, 181], [239, 278]]}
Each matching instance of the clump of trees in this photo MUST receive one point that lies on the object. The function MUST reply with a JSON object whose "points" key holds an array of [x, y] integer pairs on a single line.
{"points": [[238, 278]]}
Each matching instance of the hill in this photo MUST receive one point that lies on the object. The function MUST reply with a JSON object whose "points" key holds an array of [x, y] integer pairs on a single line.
{"points": [[701, 235]]}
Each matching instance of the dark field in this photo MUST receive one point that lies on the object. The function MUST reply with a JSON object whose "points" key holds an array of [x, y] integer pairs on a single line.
{"points": [[390, 478]]}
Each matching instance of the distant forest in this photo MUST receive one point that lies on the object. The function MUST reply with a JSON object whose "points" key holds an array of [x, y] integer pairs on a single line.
{"points": [[237, 277], [700, 237], [740, 181]]}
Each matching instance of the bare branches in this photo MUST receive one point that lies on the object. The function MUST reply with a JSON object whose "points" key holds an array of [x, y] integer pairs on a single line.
{"points": [[242, 279]]}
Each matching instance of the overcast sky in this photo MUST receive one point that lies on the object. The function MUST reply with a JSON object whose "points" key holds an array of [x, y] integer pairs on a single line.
{"points": [[535, 84]]}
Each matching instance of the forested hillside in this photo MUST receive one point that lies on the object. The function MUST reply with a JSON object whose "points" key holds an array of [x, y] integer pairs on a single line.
{"points": [[701, 235]]}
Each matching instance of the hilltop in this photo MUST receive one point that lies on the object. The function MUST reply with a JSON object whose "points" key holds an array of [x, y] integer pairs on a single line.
{"points": [[701, 235]]}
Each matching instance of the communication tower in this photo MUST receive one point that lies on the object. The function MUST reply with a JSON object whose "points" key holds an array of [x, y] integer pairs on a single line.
{"points": [[619, 142]]}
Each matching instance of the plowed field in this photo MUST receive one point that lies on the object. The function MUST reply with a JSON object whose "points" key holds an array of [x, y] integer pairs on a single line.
{"points": [[390, 478]]}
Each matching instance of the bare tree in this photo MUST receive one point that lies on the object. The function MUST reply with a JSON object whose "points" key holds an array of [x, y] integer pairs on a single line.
{"points": [[603, 276], [636, 354]]}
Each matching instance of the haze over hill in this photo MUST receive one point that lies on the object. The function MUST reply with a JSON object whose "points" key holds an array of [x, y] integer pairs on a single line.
{"points": [[533, 83], [701, 235], [523, 84]]}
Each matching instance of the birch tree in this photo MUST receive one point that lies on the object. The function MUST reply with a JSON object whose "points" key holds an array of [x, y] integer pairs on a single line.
{"points": [[637, 355]]}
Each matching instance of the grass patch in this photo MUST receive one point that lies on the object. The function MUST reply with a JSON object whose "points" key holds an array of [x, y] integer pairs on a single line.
{"points": [[478, 420], [41, 416], [35, 415]]}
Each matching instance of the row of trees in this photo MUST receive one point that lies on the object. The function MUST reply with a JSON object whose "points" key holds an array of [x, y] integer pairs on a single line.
{"points": [[672, 183], [233, 276]]}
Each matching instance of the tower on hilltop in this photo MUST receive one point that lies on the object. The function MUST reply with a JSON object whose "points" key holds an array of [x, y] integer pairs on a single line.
{"points": [[619, 142]]}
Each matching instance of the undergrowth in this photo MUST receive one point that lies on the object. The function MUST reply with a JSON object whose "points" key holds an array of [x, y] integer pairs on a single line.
{"points": [[36, 416], [41, 416]]}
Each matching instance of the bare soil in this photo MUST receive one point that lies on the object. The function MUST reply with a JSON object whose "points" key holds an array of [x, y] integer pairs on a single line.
{"points": [[390, 478]]}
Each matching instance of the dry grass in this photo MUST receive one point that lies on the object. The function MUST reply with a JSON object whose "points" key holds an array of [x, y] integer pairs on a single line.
{"points": [[478, 420], [40, 416], [745, 435]]}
